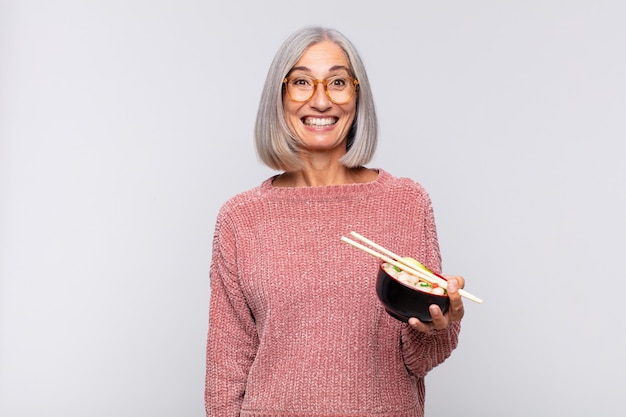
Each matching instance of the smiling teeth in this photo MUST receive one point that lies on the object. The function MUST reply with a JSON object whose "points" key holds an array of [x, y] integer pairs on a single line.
{"points": [[319, 122]]}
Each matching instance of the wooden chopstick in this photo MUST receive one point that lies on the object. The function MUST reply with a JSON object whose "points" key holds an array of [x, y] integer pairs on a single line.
{"points": [[422, 273], [387, 259], [413, 269], [391, 261], [399, 262]]}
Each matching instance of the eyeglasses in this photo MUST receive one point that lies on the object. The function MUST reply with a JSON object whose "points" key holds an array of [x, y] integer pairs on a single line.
{"points": [[339, 89]]}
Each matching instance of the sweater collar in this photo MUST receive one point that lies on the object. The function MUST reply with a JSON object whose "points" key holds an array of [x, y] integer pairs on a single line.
{"points": [[357, 190]]}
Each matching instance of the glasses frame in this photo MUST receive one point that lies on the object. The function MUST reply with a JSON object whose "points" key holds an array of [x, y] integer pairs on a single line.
{"points": [[324, 82]]}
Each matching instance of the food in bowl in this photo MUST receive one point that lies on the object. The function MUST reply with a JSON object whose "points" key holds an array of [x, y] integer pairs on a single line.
{"points": [[404, 295], [412, 280]]}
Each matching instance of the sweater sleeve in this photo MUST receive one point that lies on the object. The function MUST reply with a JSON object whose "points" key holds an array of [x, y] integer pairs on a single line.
{"points": [[232, 340], [424, 351]]}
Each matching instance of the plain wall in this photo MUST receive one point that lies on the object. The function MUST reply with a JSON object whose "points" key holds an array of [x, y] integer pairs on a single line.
{"points": [[124, 125]]}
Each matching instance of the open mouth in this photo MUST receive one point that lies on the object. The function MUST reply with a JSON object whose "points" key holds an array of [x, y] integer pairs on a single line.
{"points": [[319, 121]]}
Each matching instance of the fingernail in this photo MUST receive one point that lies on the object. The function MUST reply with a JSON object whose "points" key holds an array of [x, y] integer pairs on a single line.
{"points": [[452, 285]]}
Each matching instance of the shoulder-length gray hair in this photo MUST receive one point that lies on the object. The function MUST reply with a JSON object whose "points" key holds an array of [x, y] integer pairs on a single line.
{"points": [[275, 143]]}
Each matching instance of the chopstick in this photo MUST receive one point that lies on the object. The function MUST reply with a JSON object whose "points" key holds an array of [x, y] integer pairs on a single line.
{"points": [[421, 273], [399, 262]]}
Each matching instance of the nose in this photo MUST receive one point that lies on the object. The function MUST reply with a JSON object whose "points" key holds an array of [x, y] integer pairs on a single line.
{"points": [[320, 99]]}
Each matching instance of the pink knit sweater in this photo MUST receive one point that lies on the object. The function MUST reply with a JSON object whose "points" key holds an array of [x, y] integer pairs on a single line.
{"points": [[295, 327]]}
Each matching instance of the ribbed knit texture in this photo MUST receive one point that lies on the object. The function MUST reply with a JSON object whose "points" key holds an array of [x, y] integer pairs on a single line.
{"points": [[295, 327]]}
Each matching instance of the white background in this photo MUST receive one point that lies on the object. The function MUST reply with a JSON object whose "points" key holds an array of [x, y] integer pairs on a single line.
{"points": [[124, 125]]}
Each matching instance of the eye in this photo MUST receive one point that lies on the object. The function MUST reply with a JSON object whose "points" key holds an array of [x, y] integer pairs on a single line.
{"points": [[301, 82], [338, 83]]}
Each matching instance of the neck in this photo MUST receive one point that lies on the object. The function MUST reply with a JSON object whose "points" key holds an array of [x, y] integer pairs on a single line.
{"points": [[332, 175]]}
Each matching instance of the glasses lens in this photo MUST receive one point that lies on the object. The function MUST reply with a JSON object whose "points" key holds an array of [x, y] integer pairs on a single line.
{"points": [[300, 88], [340, 89]]}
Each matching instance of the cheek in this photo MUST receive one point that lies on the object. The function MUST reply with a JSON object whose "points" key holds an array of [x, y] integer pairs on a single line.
{"points": [[351, 116], [290, 110], [291, 117]]}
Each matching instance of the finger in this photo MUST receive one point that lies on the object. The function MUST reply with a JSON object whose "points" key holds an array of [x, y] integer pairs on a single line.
{"points": [[440, 321], [459, 279], [420, 326], [456, 309]]}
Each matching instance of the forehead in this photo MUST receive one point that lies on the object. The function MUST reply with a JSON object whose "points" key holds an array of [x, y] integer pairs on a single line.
{"points": [[323, 56]]}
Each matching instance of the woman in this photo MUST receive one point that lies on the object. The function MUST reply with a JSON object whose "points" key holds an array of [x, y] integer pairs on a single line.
{"points": [[295, 328]]}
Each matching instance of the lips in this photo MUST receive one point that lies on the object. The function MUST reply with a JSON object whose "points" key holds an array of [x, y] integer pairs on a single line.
{"points": [[319, 121]]}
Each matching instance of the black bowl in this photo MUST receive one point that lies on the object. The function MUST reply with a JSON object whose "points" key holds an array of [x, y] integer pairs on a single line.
{"points": [[403, 301]]}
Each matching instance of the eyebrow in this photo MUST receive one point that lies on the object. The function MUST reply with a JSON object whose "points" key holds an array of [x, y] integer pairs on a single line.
{"points": [[333, 68]]}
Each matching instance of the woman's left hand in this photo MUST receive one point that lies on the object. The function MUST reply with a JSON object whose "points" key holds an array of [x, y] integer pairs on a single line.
{"points": [[455, 311]]}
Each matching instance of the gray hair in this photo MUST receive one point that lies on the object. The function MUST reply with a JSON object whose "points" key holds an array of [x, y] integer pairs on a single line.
{"points": [[275, 143]]}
